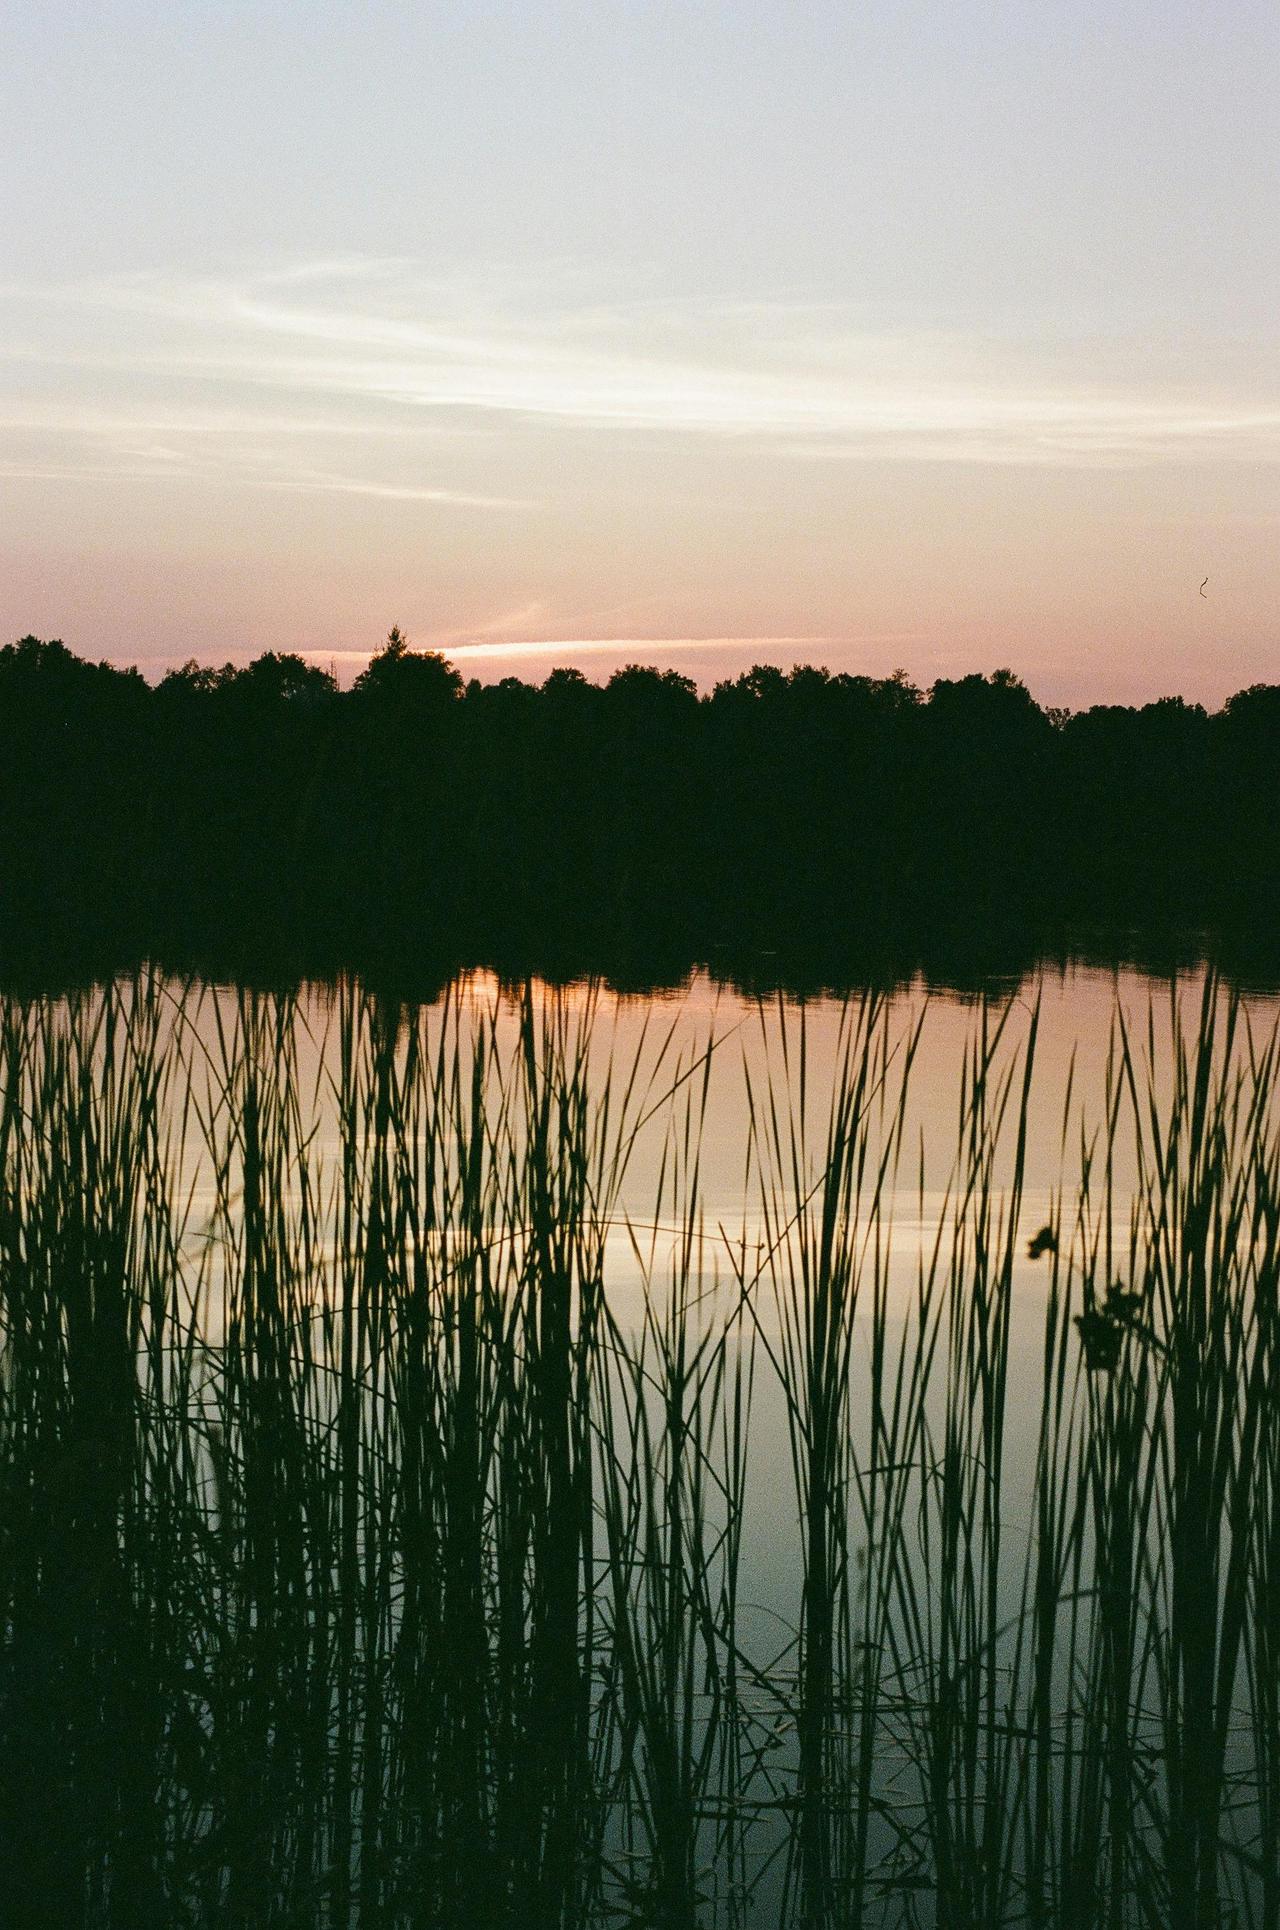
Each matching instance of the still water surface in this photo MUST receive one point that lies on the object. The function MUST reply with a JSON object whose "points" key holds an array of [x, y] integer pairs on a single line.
{"points": [[705, 1063], [1065, 1026], [1062, 1030], [995, 1711]]}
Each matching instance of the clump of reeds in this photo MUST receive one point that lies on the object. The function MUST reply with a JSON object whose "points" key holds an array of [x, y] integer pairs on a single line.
{"points": [[380, 1476]]}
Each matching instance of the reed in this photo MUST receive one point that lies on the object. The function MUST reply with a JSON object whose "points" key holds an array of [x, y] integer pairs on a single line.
{"points": [[391, 1442]]}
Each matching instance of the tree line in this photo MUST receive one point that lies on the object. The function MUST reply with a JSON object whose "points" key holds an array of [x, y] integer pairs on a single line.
{"points": [[264, 803]]}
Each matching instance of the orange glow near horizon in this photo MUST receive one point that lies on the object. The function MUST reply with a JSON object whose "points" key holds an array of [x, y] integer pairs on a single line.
{"points": [[583, 374]]}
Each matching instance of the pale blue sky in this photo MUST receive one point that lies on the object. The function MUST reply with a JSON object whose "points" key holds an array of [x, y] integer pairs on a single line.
{"points": [[941, 335]]}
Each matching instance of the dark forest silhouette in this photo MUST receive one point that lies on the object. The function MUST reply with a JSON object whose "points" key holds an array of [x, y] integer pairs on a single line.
{"points": [[264, 806]]}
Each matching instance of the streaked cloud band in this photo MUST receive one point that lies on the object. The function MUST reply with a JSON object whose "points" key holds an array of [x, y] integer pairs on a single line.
{"points": [[382, 351]]}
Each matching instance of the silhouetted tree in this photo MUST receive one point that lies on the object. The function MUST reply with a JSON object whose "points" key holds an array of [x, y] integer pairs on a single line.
{"points": [[406, 680], [414, 812]]}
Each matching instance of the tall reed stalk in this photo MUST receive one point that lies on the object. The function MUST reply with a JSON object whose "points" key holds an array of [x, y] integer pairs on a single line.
{"points": [[421, 1505]]}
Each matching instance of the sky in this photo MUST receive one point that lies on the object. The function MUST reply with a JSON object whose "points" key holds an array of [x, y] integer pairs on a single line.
{"points": [[942, 336]]}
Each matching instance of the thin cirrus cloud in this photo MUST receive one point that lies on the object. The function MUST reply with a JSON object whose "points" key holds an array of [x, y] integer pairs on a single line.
{"points": [[631, 647], [517, 654], [174, 465], [387, 491], [561, 647], [227, 378]]}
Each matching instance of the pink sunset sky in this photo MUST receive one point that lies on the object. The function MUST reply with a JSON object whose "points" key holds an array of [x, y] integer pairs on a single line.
{"points": [[921, 336]]}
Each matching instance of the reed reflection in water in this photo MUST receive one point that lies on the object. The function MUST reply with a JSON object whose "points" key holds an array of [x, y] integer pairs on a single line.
{"points": [[450, 1477]]}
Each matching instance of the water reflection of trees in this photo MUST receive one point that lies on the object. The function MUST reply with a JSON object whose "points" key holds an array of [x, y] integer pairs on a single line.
{"points": [[823, 830], [372, 1555]]}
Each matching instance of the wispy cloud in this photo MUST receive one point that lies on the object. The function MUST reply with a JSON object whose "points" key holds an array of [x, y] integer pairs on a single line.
{"points": [[390, 492], [565, 647], [350, 346], [238, 455], [641, 649]]}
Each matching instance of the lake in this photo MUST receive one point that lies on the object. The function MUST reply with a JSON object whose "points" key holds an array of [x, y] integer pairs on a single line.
{"points": [[563, 1455]]}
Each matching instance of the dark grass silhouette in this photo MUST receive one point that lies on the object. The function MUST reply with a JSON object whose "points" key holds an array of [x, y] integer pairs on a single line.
{"points": [[627, 827], [367, 1558]]}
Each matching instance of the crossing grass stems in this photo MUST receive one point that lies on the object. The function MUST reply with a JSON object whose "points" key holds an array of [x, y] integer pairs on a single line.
{"points": [[368, 1555]]}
